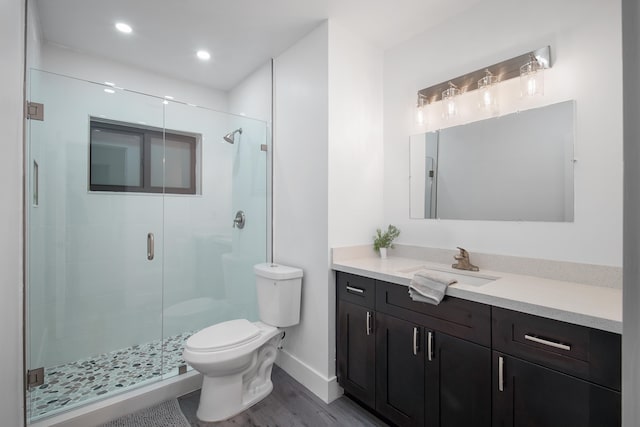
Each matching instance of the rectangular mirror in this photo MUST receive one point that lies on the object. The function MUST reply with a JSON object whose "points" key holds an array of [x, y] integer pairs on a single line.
{"points": [[517, 167]]}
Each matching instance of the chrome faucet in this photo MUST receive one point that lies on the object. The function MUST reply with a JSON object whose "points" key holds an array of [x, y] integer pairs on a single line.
{"points": [[463, 261]]}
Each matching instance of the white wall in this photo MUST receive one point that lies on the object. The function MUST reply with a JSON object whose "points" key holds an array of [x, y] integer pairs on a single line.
{"points": [[328, 164], [355, 148], [631, 289], [252, 96], [11, 120], [356, 164], [585, 47], [70, 63], [300, 196]]}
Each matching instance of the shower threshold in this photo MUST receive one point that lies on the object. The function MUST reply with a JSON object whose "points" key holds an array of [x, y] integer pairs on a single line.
{"points": [[85, 381]]}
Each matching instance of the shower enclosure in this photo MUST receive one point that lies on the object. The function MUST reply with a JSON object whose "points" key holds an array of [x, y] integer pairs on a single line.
{"points": [[131, 238]]}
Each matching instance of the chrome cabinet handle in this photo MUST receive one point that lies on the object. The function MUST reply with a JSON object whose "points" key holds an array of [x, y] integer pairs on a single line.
{"points": [[500, 374], [368, 323], [430, 346], [150, 246], [547, 342], [415, 341], [356, 290]]}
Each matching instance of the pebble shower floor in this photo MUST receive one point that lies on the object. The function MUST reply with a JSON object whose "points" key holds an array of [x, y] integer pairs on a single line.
{"points": [[85, 380]]}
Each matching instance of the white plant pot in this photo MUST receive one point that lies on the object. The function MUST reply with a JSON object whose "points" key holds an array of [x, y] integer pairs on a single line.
{"points": [[383, 253]]}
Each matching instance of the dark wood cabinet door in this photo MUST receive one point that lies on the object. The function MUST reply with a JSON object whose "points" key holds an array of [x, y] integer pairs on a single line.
{"points": [[536, 396], [356, 352], [458, 382], [400, 371]]}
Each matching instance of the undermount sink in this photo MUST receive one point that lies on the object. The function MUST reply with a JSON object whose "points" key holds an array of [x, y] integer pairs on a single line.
{"points": [[463, 277]]}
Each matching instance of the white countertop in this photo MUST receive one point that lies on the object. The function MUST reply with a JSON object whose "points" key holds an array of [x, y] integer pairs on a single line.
{"points": [[586, 305]]}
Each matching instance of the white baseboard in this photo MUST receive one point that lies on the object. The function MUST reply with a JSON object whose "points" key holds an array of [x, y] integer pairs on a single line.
{"points": [[113, 407], [325, 388]]}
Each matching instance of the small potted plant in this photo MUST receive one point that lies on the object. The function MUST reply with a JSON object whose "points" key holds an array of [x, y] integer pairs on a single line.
{"points": [[382, 241]]}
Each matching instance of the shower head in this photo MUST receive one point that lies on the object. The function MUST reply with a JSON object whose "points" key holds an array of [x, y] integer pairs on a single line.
{"points": [[230, 136]]}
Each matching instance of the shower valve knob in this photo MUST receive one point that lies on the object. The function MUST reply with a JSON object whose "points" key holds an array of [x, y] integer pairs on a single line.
{"points": [[239, 220]]}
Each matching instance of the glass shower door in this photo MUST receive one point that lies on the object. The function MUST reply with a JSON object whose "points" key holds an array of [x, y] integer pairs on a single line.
{"points": [[94, 311], [209, 259]]}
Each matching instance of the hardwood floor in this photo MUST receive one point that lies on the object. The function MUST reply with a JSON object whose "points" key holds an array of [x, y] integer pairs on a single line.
{"points": [[289, 404]]}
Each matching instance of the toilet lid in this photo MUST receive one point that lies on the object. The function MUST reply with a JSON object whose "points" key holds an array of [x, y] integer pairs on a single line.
{"points": [[223, 335]]}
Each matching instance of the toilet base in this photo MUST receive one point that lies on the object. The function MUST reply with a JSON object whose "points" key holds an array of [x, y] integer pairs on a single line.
{"points": [[225, 396]]}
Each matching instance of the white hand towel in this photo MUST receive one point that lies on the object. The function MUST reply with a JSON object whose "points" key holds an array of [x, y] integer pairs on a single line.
{"points": [[429, 287]]}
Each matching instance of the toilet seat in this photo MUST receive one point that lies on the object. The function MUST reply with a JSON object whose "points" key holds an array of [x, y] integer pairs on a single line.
{"points": [[223, 336]]}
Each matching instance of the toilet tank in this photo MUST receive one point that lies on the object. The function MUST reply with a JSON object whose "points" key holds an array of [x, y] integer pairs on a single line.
{"points": [[279, 289]]}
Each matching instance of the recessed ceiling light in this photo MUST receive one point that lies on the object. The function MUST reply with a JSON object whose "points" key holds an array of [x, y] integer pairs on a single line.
{"points": [[109, 84], [124, 28], [204, 55], [110, 90], [168, 97]]}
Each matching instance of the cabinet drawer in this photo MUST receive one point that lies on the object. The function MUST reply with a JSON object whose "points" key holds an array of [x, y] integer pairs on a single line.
{"points": [[459, 318], [586, 353], [356, 289]]}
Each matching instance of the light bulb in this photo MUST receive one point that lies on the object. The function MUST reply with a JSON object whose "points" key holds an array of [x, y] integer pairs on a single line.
{"points": [[419, 115], [421, 104]]}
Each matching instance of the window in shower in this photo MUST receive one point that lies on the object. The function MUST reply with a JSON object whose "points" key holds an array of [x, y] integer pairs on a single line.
{"points": [[126, 158]]}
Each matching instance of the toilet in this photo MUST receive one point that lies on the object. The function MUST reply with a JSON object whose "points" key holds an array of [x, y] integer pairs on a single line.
{"points": [[236, 356]]}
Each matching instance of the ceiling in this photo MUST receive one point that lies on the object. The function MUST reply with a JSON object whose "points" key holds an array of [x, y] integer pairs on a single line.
{"points": [[240, 34]]}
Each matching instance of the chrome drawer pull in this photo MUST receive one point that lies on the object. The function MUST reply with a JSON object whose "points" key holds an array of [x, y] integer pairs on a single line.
{"points": [[500, 373], [356, 290], [415, 341], [368, 323], [546, 342], [430, 345]]}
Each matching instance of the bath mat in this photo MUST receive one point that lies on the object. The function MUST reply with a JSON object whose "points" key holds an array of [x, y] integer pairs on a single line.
{"points": [[165, 414]]}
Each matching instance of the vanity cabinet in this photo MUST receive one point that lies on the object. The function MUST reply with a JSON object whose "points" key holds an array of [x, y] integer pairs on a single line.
{"points": [[400, 368], [356, 341], [458, 380], [432, 364], [356, 355], [463, 363], [551, 373]]}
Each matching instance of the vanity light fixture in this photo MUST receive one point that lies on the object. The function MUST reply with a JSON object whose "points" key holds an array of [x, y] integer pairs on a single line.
{"points": [[530, 65], [204, 55], [449, 106], [487, 90], [420, 109], [123, 28], [532, 78]]}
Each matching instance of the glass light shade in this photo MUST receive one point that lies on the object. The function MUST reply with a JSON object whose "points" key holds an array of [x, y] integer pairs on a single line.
{"points": [[488, 93], [531, 79], [449, 106]]}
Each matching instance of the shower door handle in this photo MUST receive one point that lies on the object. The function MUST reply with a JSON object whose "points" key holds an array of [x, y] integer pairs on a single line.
{"points": [[150, 246]]}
